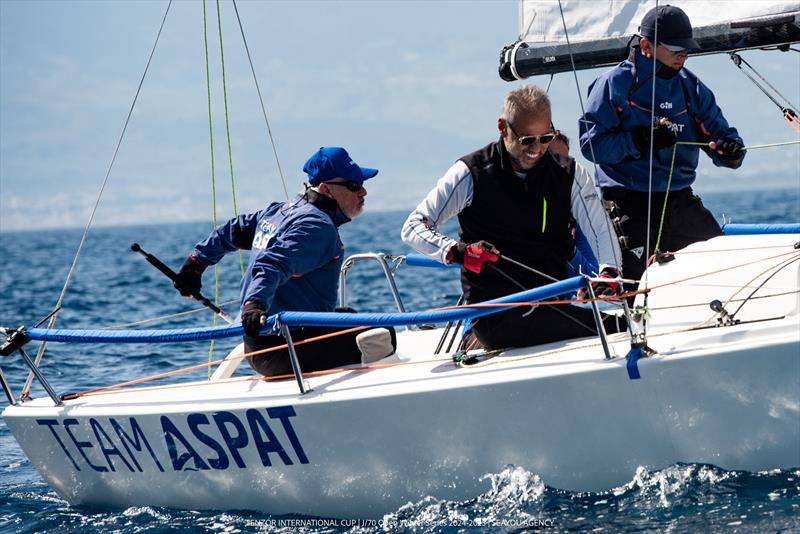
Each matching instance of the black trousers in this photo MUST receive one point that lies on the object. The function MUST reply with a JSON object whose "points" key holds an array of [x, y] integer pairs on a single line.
{"points": [[547, 323], [326, 353], [686, 221]]}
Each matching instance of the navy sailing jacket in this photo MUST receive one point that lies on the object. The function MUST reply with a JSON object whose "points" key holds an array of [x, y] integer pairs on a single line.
{"points": [[296, 253], [619, 101]]}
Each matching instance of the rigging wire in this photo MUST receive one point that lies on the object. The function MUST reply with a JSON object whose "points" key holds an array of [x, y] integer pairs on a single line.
{"points": [[789, 111], [210, 124], [261, 100], [228, 135], [611, 234], [778, 269], [650, 168], [40, 353], [549, 83], [165, 317]]}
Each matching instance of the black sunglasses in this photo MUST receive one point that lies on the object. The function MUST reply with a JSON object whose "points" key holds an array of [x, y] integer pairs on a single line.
{"points": [[352, 186], [526, 140]]}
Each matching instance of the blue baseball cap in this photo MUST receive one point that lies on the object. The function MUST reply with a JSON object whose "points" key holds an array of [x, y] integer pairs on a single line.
{"points": [[674, 28], [332, 162]]}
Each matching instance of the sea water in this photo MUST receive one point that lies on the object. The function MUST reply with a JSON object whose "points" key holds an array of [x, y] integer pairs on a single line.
{"points": [[113, 286]]}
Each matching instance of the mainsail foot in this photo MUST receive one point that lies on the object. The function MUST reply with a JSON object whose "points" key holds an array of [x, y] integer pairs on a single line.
{"points": [[594, 40]]}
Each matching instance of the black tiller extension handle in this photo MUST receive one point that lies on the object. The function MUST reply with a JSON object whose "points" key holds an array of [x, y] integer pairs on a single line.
{"points": [[172, 275]]}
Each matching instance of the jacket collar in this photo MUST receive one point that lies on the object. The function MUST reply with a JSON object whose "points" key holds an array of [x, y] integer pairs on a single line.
{"points": [[644, 66], [505, 159], [327, 205]]}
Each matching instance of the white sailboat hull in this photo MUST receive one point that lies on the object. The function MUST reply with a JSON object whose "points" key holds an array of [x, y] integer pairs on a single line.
{"points": [[364, 442]]}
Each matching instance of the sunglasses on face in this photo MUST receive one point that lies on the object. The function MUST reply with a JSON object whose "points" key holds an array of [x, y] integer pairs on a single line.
{"points": [[674, 50], [525, 140], [351, 186]]}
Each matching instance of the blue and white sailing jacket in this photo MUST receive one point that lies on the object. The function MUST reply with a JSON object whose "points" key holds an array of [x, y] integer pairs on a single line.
{"points": [[619, 102], [296, 253]]}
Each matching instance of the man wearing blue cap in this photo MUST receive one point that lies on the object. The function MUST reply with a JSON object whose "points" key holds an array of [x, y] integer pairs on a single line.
{"points": [[295, 258], [623, 123]]}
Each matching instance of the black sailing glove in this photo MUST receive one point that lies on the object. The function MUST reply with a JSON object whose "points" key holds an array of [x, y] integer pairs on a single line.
{"points": [[189, 279], [730, 152], [253, 317], [663, 137]]}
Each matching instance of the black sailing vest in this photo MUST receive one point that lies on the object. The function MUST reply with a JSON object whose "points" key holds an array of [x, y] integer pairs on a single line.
{"points": [[529, 220]]}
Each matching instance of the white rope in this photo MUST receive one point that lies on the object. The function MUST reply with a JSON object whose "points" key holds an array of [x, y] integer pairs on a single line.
{"points": [[513, 61], [169, 316]]}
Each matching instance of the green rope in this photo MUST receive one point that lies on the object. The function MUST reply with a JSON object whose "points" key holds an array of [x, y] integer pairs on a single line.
{"points": [[666, 194], [213, 176], [227, 127], [672, 167]]}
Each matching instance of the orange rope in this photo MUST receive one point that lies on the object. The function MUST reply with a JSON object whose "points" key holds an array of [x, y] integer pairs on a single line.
{"points": [[742, 288], [722, 270], [208, 364], [322, 372]]}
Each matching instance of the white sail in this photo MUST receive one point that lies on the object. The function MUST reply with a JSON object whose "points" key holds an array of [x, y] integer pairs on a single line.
{"points": [[598, 33]]}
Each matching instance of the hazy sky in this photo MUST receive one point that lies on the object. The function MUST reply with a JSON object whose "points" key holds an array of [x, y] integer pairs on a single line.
{"points": [[406, 86]]}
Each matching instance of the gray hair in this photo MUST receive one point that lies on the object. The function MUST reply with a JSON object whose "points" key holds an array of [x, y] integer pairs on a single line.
{"points": [[525, 100]]}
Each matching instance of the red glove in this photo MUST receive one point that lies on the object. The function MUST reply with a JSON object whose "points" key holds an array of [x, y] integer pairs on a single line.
{"points": [[475, 256], [607, 289]]}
